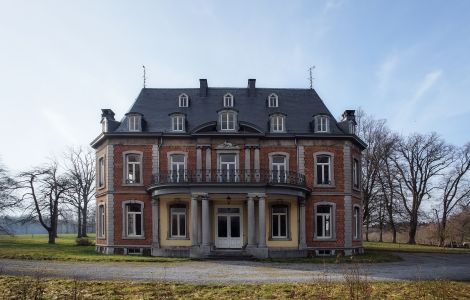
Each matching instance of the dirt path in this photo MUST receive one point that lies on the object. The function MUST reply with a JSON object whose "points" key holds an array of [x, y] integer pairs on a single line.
{"points": [[414, 266]]}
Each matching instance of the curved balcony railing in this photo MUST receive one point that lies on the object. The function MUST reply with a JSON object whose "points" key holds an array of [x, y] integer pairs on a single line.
{"points": [[229, 177]]}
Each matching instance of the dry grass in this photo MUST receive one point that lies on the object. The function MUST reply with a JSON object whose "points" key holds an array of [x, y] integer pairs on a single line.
{"points": [[386, 246]]}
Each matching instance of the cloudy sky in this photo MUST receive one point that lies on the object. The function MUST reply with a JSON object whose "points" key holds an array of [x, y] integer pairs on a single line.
{"points": [[62, 61]]}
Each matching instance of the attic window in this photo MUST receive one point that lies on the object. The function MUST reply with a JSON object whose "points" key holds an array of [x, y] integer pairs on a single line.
{"points": [[352, 128], [322, 124], [228, 121], [177, 123], [183, 100], [228, 100], [134, 122], [273, 101], [277, 123]]}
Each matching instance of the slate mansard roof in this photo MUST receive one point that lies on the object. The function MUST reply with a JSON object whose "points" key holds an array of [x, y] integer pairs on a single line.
{"points": [[300, 106]]}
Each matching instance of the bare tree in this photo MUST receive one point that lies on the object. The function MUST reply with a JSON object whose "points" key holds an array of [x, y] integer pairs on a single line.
{"points": [[8, 198], [81, 171], [45, 188], [455, 188], [419, 159]]}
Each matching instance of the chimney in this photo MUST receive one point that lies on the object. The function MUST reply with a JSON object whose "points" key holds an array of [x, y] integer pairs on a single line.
{"points": [[203, 87], [349, 115], [251, 87], [107, 113]]}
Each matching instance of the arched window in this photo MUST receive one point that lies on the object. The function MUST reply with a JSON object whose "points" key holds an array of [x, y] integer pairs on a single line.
{"points": [[228, 121], [228, 100], [183, 100], [273, 100]]}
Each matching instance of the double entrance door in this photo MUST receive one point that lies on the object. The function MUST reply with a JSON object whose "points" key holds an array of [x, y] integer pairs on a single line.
{"points": [[229, 229]]}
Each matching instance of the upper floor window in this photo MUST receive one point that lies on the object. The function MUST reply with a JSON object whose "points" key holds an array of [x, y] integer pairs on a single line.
{"points": [[277, 123], [133, 168], [324, 223], [228, 171], [178, 123], [101, 221], [178, 221], [134, 122], [228, 100], [133, 219], [323, 169], [357, 223], [279, 221], [101, 178], [183, 100], [273, 100], [227, 120], [356, 173], [279, 168], [177, 167], [322, 124]]}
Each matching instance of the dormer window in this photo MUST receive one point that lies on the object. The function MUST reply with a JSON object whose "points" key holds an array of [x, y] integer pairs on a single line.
{"points": [[278, 123], [322, 124], [352, 128], [228, 120], [273, 101], [228, 100], [104, 125], [178, 123], [134, 122], [183, 100]]}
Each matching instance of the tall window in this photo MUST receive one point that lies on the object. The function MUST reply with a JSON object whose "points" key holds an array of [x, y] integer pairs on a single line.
{"points": [[323, 169], [273, 101], [356, 174], [178, 221], [183, 100], [101, 178], [279, 221], [227, 120], [177, 123], [227, 168], [133, 212], [177, 167], [279, 168], [101, 221], [133, 168], [322, 124], [357, 223], [323, 221], [134, 122], [277, 123], [228, 100]]}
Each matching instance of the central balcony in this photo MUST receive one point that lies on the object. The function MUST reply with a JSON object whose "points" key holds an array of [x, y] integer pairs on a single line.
{"points": [[227, 179]]}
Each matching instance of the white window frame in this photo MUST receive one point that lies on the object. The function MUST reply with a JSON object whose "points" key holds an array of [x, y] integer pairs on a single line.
{"points": [[355, 175], [273, 100], [323, 167], [236, 175], [322, 124], [101, 221], [127, 180], [227, 122], [178, 123], [183, 100], [134, 122], [284, 164], [171, 163], [101, 172], [278, 123], [133, 215], [177, 215], [228, 100], [357, 225], [332, 219], [277, 216]]}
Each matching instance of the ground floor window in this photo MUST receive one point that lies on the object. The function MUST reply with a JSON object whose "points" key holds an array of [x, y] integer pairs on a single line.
{"points": [[101, 221], [178, 221], [357, 223], [279, 221], [133, 213], [324, 222]]}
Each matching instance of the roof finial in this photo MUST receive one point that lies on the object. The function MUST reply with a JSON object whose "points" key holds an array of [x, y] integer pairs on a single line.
{"points": [[311, 76], [145, 78]]}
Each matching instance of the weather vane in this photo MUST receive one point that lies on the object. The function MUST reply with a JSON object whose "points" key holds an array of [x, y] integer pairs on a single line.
{"points": [[311, 76], [145, 78]]}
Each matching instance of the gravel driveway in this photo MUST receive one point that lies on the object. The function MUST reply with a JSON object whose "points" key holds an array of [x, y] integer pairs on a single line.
{"points": [[414, 266]]}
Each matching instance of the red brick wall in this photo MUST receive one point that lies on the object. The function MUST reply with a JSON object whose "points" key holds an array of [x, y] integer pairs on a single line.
{"points": [[119, 165]]}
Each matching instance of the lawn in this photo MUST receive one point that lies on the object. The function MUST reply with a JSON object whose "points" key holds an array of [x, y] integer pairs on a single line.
{"points": [[36, 247], [13, 287], [387, 246]]}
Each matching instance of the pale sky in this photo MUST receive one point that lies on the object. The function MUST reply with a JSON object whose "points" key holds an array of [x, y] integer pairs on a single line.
{"points": [[62, 61]]}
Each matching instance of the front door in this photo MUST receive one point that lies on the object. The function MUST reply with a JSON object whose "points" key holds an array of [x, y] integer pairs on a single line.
{"points": [[229, 227]]}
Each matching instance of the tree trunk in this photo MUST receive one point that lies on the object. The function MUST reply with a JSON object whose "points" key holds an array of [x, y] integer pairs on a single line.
{"points": [[367, 232], [84, 220], [51, 235], [442, 231], [394, 234], [381, 234], [79, 223], [412, 232]]}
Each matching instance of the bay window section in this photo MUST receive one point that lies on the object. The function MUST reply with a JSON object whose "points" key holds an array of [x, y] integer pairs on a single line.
{"points": [[279, 221], [178, 221]]}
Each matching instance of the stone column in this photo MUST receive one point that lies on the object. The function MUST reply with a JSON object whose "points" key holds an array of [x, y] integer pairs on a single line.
{"points": [[262, 222], [302, 229], [206, 226], [194, 223], [155, 222], [251, 220]]}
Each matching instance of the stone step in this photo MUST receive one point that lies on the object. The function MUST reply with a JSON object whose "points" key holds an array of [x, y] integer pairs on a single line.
{"points": [[230, 254]]}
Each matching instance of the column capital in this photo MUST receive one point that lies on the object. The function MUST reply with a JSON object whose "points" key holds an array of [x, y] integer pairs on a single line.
{"points": [[256, 195], [199, 195], [155, 200]]}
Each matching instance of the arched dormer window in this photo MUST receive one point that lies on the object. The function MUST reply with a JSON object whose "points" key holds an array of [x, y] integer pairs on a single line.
{"points": [[322, 123], [134, 121], [273, 100], [183, 100], [228, 100], [228, 120], [277, 123]]}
